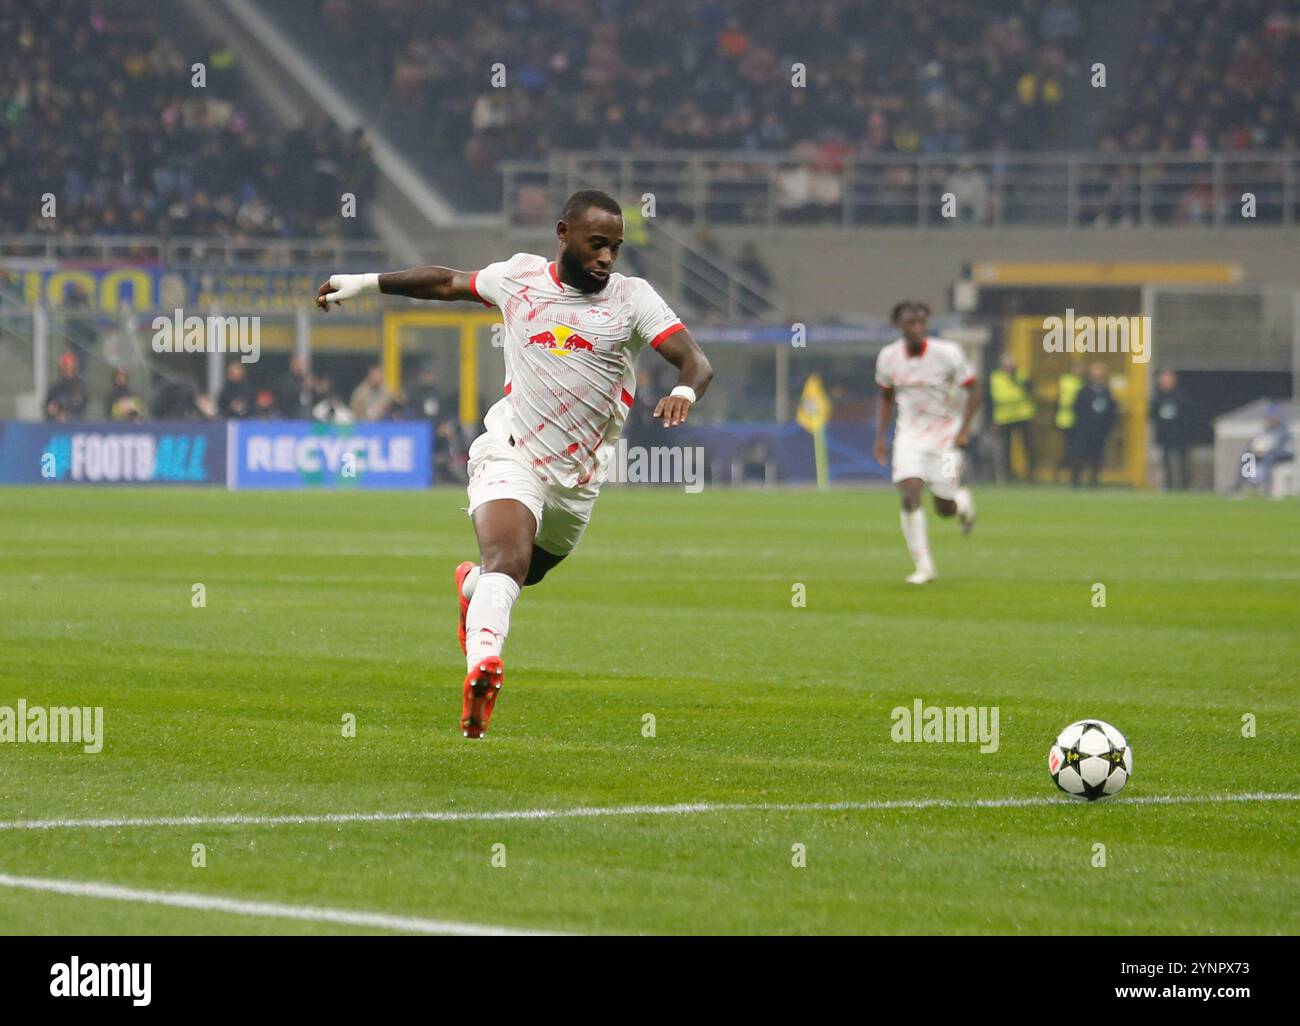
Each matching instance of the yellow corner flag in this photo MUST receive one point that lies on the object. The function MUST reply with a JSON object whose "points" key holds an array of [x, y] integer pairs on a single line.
{"points": [[814, 412]]}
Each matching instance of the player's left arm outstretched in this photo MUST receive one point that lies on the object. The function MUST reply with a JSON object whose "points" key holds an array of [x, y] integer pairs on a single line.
{"points": [[694, 375], [441, 284]]}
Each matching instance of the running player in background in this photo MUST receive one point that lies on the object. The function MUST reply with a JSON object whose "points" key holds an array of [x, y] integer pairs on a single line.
{"points": [[923, 376], [573, 329]]}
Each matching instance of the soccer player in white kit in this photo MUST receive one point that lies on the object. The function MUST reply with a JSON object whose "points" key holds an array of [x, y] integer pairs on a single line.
{"points": [[573, 329], [924, 377]]}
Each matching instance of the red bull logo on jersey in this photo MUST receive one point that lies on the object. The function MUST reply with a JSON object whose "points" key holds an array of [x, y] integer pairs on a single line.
{"points": [[560, 341]]}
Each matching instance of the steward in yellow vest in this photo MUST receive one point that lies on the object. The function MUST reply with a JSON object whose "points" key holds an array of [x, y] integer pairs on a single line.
{"points": [[1068, 386], [1067, 390], [1013, 414], [1012, 401]]}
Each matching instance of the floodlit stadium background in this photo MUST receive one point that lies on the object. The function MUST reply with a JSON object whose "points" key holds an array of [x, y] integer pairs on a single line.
{"points": [[789, 172], [697, 730]]}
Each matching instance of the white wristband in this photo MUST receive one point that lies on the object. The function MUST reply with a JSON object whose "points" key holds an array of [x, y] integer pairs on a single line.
{"points": [[686, 392], [349, 286]]}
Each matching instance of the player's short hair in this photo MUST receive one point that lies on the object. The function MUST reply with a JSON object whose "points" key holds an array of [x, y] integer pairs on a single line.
{"points": [[584, 199], [907, 306]]}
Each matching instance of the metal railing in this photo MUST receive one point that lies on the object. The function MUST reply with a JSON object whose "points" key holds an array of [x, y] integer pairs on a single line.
{"points": [[702, 281], [982, 189], [695, 277]]}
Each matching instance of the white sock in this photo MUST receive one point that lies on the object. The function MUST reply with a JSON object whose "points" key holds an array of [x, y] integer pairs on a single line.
{"points": [[963, 500], [469, 583], [915, 535], [487, 622]]}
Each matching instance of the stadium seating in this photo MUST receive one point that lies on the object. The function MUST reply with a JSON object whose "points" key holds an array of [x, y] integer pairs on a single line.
{"points": [[1210, 75], [98, 107], [985, 74], [154, 155]]}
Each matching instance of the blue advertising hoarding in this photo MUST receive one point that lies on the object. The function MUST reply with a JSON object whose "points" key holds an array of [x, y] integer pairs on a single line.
{"points": [[163, 453], [237, 454], [787, 447], [302, 454]]}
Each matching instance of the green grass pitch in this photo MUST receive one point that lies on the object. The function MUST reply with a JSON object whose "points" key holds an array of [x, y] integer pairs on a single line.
{"points": [[679, 606]]}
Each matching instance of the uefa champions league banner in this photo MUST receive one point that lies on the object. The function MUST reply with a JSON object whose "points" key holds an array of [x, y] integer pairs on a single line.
{"points": [[294, 454], [89, 453]]}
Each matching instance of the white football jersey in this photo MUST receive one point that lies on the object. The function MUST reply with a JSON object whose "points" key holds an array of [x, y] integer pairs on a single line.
{"points": [[926, 390], [569, 362]]}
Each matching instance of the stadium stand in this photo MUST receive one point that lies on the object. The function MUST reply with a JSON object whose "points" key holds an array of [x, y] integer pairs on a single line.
{"points": [[987, 101], [977, 75], [97, 107], [1210, 75], [142, 152]]}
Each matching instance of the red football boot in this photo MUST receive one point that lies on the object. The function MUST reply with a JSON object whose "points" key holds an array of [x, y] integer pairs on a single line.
{"points": [[481, 686], [461, 572]]}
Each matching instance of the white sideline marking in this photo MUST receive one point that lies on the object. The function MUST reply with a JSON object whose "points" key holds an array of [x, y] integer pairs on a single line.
{"points": [[583, 812], [265, 909]]}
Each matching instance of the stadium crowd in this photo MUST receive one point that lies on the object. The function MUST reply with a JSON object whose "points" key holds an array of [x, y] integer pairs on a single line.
{"points": [[649, 75], [959, 76], [1210, 75], [98, 108], [97, 103], [297, 394]]}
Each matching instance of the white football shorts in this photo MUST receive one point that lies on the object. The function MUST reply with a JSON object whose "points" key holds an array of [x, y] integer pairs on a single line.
{"points": [[498, 470], [940, 470]]}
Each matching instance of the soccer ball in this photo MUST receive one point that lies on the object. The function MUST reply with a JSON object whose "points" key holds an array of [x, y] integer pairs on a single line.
{"points": [[1090, 760]]}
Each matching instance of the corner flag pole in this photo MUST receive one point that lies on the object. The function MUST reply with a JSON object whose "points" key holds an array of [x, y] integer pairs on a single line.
{"points": [[814, 412], [819, 454]]}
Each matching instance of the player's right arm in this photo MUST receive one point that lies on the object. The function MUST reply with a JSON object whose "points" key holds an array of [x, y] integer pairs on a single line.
{"points": [[442, 284], [885, 407], [884, 414]]}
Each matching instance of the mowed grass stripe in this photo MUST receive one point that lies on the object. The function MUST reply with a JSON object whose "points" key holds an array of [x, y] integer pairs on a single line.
{"points": [[677, 606]]}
